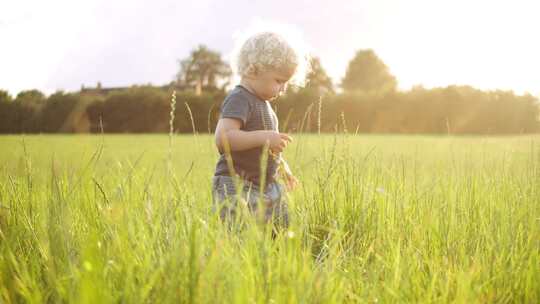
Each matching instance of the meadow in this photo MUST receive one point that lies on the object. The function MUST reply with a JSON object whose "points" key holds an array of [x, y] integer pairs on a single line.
{"points": [[376, 219]]}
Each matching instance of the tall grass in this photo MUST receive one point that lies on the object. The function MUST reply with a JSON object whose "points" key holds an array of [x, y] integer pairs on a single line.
{"points": [[376, 219]]}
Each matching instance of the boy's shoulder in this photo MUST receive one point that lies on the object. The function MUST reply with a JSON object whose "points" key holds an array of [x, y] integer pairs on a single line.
{"points": [[240, 94]]}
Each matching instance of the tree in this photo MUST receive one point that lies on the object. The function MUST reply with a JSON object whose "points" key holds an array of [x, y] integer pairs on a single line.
{"points": [[318, 79], [22, 113], [204, 69], [368, 73], [31, 97], [4, 96], [31, 102], [6, 112], [55, 115]]}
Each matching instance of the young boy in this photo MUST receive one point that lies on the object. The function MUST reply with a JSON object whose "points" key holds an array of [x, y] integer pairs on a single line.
{"points": [[248, 128]]}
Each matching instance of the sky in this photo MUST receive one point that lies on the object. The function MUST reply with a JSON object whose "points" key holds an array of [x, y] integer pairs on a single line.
{"points": [[63, 44]]}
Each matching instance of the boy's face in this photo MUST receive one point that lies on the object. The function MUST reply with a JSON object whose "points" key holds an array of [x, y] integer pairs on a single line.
{"points": [[272, 83]]}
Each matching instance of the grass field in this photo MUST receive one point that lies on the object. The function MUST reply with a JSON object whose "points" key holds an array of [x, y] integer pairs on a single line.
{"points": [[126, 219]]}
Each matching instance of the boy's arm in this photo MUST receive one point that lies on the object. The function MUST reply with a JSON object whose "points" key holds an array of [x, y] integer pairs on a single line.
{"points": [[228, 133]]}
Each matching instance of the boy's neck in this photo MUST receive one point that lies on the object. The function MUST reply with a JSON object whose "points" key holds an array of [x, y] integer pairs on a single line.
{"points": [[247, 85]]}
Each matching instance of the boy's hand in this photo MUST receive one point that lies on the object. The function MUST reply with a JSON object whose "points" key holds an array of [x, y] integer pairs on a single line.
{"points": [[291, 182], [278, 141]]}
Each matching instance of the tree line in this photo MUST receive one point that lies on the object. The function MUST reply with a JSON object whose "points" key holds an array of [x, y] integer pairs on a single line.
{"points": [[368, 102]]}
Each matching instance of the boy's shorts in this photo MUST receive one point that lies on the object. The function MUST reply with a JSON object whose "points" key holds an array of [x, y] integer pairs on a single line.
{"points": [[274, 200]]}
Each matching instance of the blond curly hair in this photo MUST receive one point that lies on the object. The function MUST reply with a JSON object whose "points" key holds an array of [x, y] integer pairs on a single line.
{"points": [[270, 51]]}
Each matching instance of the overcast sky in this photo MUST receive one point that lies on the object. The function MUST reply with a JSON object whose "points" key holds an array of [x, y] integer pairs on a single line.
{"points": [[62, 44]]}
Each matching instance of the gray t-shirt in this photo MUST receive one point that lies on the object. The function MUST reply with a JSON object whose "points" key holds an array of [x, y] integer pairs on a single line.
{"points": [[255, 114]]}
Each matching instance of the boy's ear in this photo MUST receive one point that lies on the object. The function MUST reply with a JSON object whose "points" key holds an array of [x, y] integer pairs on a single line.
{"points": [[252, 71]]}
